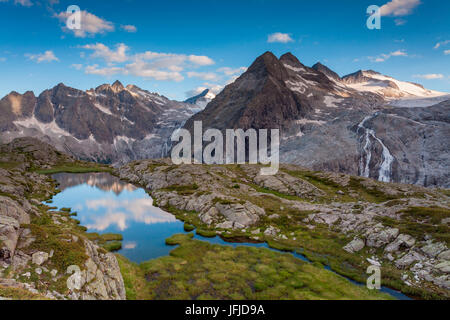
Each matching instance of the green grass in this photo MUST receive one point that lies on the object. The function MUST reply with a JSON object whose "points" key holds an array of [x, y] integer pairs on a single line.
{"points": [[8, 165], [199, 270], [112, 246], [432, 215], [183, 190], [177, 239], [19, 294], [74, 168], [206, 233], [188, 227]]}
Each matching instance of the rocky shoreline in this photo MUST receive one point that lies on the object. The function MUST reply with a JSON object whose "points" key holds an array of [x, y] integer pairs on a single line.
{"points": [[38, 245]]}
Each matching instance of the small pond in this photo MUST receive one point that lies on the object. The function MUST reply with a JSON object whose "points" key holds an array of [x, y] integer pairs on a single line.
{"points": [[106, 204]]}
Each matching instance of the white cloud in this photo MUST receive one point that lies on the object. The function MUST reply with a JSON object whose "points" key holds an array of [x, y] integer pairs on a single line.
{"points": [[400, 22], [213, 88], [442, 43], [385, 56], [279, 37], [147, 70], [102, 51], [148, 64], [25, 3], [47, 56], [2, 59], [90, 24], [430, 76], [447, 52], [173, 61], [208, 76], [229, 71], [76, 66], [108, 71], [129, 28], [201, 60], [398, 8]]}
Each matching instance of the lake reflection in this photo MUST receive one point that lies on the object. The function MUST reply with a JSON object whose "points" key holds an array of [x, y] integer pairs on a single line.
{"points": [[106, 204]]}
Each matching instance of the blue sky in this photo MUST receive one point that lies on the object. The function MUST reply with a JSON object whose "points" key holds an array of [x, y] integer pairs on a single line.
{"points": [[177, 47]]}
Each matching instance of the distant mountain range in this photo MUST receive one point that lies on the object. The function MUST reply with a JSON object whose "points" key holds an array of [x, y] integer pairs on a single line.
{"points": [[202, 99], [364, 123], [110, 124]]}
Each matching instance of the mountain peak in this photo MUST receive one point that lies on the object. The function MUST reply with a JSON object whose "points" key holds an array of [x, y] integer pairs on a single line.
{"points": [[117, 86], [326, 71], [201, 99], [289, 57], [265, 64]]}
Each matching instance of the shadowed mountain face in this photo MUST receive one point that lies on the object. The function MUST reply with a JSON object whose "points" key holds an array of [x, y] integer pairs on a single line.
{"points": [[110, 123], [361, 124]]}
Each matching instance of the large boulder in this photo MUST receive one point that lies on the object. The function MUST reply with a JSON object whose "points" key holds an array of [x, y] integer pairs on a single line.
{"points": [[243, 215], [402, 241], [379, 235], [39, 257], [9, 234], [433, 249], [355, 245]]}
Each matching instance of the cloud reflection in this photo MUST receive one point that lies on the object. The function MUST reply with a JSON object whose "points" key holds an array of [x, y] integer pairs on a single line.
{"points": [[122, 212]]}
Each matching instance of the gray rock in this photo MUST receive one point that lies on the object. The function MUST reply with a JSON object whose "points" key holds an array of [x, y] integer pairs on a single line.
{"points": [[379, 236], [433, 249], [444, 255], [443, 266], [39, 257], [271, 231], [409, 259], [355, 245], [402, 241], [245, 214], [225, 225]]}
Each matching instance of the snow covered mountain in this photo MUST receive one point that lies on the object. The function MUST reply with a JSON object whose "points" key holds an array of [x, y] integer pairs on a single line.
{"points": [[388, 87], [202, 99]]}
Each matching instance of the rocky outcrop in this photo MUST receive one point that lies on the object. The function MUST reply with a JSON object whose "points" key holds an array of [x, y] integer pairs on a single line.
{"points": [[101, 279], [33, 267]]}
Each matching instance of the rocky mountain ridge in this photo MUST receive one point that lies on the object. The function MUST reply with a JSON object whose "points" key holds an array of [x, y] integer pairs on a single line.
{"points": [[108, 124], [45, 254]]}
